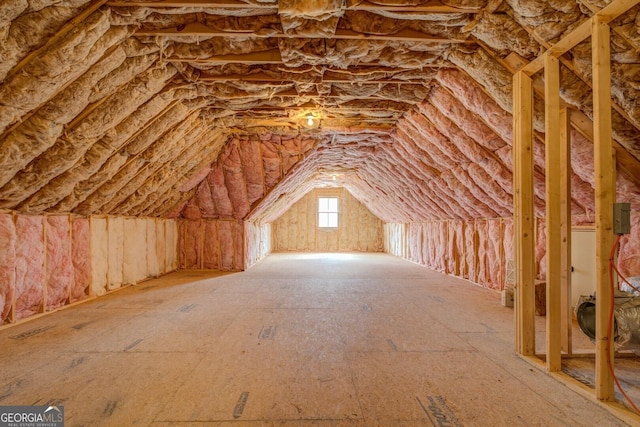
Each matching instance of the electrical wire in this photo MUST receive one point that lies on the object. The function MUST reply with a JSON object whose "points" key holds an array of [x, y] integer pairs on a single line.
{"points": [[609, 339]]}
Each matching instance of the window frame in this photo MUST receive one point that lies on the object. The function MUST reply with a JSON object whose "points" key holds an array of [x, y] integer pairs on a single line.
{"points": [[328, 212]]}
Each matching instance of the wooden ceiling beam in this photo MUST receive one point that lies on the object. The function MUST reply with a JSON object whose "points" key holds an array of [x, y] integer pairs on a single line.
{"points": [[264, 57], [267, 79], [196, 29], [430, 6], [219, 4]]}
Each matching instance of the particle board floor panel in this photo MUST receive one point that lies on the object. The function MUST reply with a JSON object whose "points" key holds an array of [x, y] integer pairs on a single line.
{"points": [[297, 340]]}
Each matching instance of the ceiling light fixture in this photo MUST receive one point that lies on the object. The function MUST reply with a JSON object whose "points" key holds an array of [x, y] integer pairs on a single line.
{"points": [[309, 119]]}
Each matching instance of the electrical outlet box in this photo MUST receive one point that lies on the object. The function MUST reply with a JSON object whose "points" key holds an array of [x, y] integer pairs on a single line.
{"points": [[621, 218]]}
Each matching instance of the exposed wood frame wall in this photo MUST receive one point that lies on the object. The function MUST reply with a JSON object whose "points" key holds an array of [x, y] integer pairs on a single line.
{"points": [[557, 156]]}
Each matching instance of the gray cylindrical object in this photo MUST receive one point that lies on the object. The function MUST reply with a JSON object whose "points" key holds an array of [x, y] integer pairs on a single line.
{"points": [[626, 324]]}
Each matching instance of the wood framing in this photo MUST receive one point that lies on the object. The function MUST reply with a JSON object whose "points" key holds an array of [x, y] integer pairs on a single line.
{"points": [[524, 231], [605, 185], [565, 230], [553, 198], [557, 120]]}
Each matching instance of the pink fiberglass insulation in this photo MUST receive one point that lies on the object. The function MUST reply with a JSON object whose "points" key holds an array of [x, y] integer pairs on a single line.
{"points": [[489, 241], [453, 109], [470, 237], [291, 153], [192, 244], [211, 254], [629, 253], [456, 247], [219, 192], [467, 91], [81, 258], [431, 132], [541, 250], [252, 168], [192, 209], [234, 178], [507, 240], [8, 241], [438, 243], [59, 265], [238, 259], [204, 201], [226, 235], [414, 240], [271, 162], [30, 257]]}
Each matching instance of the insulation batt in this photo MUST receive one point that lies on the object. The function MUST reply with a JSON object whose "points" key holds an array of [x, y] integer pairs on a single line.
{"points": [[252, 168], [42, 130], [236, 183], [81, 257], [156, 158], [629, 253], [28, 31], [30, 258], [8, 241], [70, 149], [152, 266], [478, 102], [88, 165], [184, 164], [192, 244], [53, 69], [116, 249], [140, 245], [99, 256], [211, 252], [59, 273]]}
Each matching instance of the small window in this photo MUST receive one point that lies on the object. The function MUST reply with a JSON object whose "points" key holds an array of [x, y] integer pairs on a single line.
{"points": [[328, 212]]}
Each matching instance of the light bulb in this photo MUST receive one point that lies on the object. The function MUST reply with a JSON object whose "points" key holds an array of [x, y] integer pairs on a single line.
{"points": [[310, 120]]}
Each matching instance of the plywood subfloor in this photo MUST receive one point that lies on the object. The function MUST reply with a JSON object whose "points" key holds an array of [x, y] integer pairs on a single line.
{"points": [[298, 340]]}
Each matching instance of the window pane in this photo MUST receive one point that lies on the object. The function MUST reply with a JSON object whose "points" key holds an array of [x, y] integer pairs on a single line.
{"points": [[333, 220], [327, 212], [323, 220]]}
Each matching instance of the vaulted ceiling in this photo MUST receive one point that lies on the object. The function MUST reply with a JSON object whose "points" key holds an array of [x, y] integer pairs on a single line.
{"points": [[200, 108]]}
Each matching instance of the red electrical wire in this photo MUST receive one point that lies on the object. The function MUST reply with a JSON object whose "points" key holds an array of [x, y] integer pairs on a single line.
{"points": [[612, 267]]}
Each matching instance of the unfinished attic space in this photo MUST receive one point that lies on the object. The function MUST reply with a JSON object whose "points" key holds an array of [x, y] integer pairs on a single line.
{"points": [[321, 212]]}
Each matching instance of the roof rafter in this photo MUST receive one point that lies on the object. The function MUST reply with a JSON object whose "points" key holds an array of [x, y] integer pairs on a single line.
{"points": [[430, 6], [196, 29]]}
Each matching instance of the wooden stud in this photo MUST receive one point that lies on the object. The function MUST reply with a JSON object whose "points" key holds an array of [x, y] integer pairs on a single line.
{"points": [[524, 232], [553, 184], [581, 33], [565, 231], [605, 186]]}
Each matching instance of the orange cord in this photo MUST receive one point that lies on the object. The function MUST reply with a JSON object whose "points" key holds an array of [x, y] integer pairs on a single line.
{"points": [[612, 267]]}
